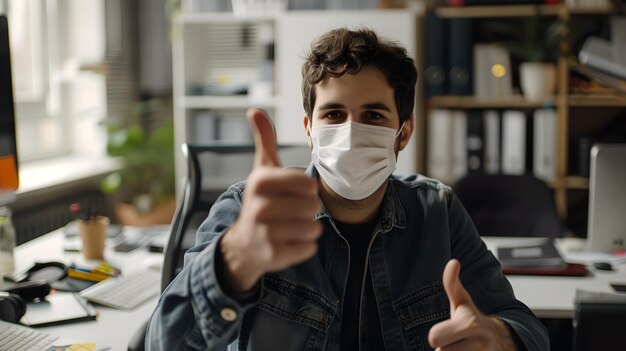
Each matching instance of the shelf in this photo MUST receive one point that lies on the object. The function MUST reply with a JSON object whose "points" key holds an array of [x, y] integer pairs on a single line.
{"points": [[597, 100], [494, 11], [570, 182], [498, 11], [577, 182], [474, 102], [592, 11], [225, 102], [222, 17]]}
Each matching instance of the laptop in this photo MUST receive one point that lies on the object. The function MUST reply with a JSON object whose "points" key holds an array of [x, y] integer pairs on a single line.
{"points": [[607, 198]]}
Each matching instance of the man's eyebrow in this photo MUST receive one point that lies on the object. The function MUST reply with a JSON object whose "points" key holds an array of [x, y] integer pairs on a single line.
{"points": [[376, 106], [331, 105]]}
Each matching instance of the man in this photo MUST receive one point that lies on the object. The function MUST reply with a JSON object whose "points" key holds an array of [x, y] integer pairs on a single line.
{"points": [[342, 256]]}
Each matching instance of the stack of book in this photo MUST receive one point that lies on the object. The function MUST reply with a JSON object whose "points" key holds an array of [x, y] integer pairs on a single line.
{"points": [[542, 259], [604, 61]]}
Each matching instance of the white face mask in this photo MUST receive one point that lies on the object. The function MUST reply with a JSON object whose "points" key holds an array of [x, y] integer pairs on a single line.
{"points": [[354, 159]]}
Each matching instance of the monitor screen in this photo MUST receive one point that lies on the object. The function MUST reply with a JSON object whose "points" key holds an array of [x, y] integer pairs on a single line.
{"points": [[8, 143], [607, 198]]}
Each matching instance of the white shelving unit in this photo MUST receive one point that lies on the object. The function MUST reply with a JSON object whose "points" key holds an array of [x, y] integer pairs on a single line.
{"points": [[219, 50]]}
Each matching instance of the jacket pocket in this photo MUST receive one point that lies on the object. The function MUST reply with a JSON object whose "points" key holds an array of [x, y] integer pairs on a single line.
{"points": [[296, 302], [423, 305], [419, 311]]}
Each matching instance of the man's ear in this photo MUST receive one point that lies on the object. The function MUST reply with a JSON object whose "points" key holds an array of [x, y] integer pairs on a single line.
{"points": [[407, 131], [305, 121]]}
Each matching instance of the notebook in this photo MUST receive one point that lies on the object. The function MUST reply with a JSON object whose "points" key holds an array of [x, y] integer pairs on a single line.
{"points": [[545, 255]]}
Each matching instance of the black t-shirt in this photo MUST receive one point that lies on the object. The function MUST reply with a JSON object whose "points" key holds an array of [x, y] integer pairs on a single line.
{"points": [[358, 237]]}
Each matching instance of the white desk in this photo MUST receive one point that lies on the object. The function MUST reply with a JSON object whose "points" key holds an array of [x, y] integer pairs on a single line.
{"points": [[113, 327], [547, 296], [553, 296]]}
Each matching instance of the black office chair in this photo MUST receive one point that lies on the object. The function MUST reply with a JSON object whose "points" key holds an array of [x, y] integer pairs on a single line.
{"points": [[599, 326], [509, 205], [196, 201]]}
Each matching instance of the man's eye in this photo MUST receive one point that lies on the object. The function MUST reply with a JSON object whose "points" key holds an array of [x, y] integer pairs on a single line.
{"points": [[371, 115], [333, 115]]}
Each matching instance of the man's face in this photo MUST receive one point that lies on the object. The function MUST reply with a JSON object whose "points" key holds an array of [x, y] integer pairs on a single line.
{"points": [[364, 98]]}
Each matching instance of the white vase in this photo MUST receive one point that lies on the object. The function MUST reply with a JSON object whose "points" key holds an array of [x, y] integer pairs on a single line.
{"points": [[537, 80]]}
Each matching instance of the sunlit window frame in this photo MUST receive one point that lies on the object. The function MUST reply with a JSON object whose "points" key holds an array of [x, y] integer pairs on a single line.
{"points": [[41, 103]]}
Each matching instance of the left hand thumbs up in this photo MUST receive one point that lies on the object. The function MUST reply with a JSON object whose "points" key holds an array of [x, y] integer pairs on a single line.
{"points": [[467, 328], [457, 294]]}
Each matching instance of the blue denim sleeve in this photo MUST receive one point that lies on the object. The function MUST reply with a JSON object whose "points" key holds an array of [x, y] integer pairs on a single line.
{"points": [[481, 274], [194, 312]]}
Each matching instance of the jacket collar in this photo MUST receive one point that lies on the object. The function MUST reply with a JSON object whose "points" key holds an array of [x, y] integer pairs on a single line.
{"points": [[391, 215]]}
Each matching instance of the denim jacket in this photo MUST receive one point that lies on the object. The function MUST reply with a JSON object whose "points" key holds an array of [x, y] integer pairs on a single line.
{"points": [[421, 226]]}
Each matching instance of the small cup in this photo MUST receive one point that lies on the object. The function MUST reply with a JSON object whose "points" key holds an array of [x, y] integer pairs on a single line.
{"points": [[93, 234]]}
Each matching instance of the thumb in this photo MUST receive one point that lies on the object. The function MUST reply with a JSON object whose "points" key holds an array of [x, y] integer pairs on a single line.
{"points": [[454, 288], [265, 153]]}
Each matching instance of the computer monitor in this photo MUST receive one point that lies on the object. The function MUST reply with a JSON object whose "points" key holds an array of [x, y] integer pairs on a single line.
{"points": [[8, 145], [607, 198]]}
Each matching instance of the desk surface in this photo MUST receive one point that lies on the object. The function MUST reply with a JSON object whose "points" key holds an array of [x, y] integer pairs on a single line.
{"points": [[548, 297], [113, 327], [551, 296]]}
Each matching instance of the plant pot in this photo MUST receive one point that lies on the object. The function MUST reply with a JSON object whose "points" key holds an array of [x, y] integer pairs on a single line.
{"points": [[537, 80], [163, 213]]}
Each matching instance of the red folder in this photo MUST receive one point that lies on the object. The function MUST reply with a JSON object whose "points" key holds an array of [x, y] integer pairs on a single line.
{"points": [[571, 269]]}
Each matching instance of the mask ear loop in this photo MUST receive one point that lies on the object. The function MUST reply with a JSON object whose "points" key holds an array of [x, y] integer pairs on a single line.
{"points": [[309, 128], [401, 129]]}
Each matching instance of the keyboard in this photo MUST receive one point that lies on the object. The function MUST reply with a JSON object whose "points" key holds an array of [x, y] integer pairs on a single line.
{"points": [[125, 292], [15, 337]]}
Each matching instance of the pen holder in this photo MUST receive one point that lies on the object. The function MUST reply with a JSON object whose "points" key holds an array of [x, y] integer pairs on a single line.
{"points": [[93, 235]]}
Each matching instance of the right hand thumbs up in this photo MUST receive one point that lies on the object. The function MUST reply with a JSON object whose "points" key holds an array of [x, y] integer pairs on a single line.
{"points": [[275, 228], [265, 149]]}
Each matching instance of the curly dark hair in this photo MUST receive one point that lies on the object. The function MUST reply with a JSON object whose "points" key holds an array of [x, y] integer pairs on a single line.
{"points": [[351, 50]]}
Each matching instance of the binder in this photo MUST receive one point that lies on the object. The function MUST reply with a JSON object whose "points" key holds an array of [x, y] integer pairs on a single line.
{"points": [[205, 126], [545, 144], [459, 145], [513, 142], [460, 53], [475, 141], [530, 137], [491, 122], [439, 143], [435, 75]]}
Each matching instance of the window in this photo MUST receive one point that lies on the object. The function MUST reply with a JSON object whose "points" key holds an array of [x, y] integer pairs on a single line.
{"points": [[59, 103]]}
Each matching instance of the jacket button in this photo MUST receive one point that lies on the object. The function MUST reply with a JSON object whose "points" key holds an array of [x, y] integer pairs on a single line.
{"points": [[228, 314]]}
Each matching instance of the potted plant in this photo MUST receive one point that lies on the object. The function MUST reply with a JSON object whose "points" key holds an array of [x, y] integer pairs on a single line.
{"points": [[535, 42], [144, 187]]}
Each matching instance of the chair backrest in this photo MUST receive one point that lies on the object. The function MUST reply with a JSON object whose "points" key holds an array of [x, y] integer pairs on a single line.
{"points": [[599, 326], [509, 205]]}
